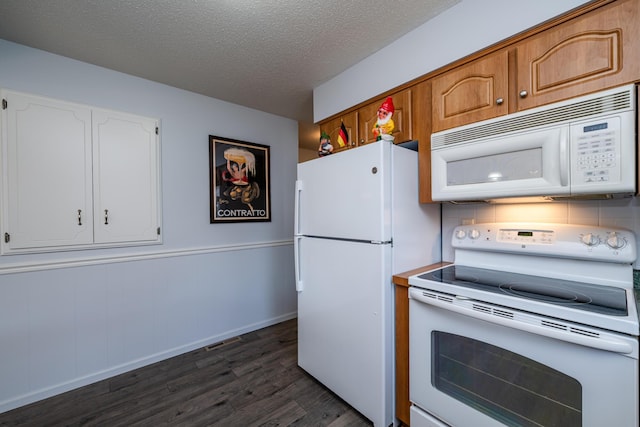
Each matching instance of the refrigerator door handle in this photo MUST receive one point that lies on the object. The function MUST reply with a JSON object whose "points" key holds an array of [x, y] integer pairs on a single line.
{"points": [[296, 255], [296, 214]]}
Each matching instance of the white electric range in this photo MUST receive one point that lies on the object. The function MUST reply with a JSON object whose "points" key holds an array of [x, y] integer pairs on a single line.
{"points": [[533, 325]]}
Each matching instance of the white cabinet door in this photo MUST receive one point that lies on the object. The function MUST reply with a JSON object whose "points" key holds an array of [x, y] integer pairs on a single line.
{"points": [[125, 169], [47, 183], [75, 176]]}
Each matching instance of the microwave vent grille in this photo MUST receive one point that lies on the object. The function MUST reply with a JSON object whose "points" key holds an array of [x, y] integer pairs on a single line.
{"points": [[546, 116]]}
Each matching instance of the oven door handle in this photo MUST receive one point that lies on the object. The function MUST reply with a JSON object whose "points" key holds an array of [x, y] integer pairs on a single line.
{"points": [[465, 306]]}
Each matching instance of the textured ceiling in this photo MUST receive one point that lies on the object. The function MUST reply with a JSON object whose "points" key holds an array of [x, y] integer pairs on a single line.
{"points": [[263, 54]]}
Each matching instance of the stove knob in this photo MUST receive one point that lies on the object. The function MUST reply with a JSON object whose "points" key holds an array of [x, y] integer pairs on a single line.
{"points": [[461, 234], [615, 241], [590, 239], [474, 234]]}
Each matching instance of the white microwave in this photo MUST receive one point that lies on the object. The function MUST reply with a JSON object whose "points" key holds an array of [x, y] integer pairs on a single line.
{"points": [[581, 148]]}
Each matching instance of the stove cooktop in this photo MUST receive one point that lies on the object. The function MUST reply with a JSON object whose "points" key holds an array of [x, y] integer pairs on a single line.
{"points": [[605, 300], [604, 307]]}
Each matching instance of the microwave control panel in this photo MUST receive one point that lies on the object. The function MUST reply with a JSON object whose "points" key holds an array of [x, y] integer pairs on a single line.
{"points": [[596, 151]]}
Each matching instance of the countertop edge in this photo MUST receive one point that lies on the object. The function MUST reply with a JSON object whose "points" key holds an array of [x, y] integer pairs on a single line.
{"points": [[402, 279]]}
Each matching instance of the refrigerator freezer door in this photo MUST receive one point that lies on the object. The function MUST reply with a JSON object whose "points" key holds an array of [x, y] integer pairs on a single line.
{"points": [[345, 322], [346, 195]]}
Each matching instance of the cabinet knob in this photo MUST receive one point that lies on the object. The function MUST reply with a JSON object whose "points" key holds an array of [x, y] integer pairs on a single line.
{"points": [[523, 94], [499, 101]]}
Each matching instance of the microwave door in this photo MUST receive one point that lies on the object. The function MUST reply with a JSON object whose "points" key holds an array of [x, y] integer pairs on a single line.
{"points": [[517, 165]]}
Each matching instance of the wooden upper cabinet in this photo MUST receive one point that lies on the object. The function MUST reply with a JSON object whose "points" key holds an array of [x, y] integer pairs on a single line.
{"points": [[598, 50], [595, 51], [402, 118], [472, 92], [332, 128]]}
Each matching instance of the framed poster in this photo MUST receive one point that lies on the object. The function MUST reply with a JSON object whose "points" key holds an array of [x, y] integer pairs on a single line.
{"points": [[239, 180]]}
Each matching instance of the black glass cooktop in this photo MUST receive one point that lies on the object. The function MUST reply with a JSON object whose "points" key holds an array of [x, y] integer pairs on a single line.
{"points": [[583, 296]]}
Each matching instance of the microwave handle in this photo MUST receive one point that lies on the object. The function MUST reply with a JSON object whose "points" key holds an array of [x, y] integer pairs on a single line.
{"points": [[564, 156]]}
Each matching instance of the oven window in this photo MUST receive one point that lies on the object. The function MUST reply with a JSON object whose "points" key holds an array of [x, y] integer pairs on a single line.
{"points": [[513, 389]]}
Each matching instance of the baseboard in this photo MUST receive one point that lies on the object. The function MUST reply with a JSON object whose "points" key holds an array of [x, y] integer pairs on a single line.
{"points": [[45, 393]]}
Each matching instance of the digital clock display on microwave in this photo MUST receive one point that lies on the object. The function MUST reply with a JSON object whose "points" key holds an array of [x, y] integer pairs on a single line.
{"points": [[598, 126]]}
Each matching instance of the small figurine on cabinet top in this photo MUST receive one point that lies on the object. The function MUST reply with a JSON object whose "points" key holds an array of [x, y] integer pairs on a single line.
{"points": [[325, 147], [384, 125]]}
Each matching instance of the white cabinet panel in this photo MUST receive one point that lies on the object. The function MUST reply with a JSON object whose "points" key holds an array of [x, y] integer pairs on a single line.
{"points": [[75, 176], [126, 177], [48, 180]]}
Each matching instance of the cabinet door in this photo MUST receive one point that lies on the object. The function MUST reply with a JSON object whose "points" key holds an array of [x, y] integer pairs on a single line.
{"points": [[47, 178], [471, 93], [592, 52], [402, 118], [332, 128], [125, 167]]}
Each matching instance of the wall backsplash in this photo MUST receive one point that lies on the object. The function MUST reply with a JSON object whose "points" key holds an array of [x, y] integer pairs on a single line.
{"points": [[622, 213]]}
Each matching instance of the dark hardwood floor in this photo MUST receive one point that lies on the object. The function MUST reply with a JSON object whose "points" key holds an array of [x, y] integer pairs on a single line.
{"points": [[252, 380]]}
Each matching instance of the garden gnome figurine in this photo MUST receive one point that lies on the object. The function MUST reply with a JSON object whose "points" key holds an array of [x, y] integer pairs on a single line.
{"points": [[325, 148], [384, 125]]}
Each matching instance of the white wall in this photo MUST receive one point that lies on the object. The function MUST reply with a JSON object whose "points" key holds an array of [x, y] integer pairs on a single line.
{"points": [[467, 27], [71, 318]]}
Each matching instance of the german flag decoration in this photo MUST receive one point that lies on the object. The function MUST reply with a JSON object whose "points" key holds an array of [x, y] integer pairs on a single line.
{"points": [[343, 136]]}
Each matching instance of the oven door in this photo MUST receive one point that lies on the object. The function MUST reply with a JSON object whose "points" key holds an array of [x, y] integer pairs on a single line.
{"points": [[469, 367]]}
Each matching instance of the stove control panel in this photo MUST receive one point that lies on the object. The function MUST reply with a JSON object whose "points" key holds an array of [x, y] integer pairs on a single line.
{"points": [[545, 237], [556, 240]]}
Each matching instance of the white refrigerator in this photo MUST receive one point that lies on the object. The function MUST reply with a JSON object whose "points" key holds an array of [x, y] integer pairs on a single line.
{"points": [[358, 221]]}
